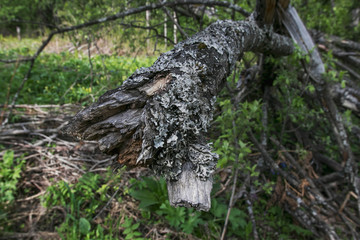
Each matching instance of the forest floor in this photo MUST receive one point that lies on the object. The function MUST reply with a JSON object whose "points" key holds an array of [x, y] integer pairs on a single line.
{"points": [[35, 137], [50, 157], [32, 145]]}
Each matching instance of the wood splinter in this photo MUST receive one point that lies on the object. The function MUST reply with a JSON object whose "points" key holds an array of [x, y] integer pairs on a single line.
{"points": [[189, 190]]}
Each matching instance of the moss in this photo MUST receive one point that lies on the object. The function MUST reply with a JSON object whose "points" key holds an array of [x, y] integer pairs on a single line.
{"points": [[202, 46]]}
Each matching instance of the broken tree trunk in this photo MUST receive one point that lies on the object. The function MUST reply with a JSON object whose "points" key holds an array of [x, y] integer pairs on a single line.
{"points": [[158, 117]]}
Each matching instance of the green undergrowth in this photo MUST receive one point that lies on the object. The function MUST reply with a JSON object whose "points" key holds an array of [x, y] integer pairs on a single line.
{"points": [[10, 170], [332, 17], [84, 199], [81, 202], [65, 77], [154, 204]]}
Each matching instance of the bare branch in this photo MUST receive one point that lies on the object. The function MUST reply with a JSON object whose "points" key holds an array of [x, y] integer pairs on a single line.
{"points": [[236, 167]]}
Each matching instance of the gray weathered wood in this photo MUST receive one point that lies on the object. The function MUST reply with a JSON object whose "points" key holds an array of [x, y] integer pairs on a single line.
{"points": [[158, 117], [301, 36], [179, 194]]}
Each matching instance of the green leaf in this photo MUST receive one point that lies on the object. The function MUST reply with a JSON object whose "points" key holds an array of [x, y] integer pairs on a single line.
{"points": [[311, 88], [84, 226], [248, 229], [129, 236], [135, 226], [146, 198], [237, 218], [218, 209], [343, 84], [127, 231]]}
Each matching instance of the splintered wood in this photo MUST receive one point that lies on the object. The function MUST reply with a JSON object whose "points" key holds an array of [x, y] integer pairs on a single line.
{"points": [[157, 85]]}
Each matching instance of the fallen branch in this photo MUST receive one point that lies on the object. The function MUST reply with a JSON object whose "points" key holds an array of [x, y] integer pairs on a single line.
{"points": [[159, 115]]}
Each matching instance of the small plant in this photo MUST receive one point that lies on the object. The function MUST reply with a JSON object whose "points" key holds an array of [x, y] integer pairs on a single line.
{"points": [[130, 230], [153, 197], [217, 215], [10, 170], [81, 202], [150, 192]]}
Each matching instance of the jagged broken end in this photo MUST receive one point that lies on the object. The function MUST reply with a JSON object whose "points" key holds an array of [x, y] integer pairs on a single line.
{"points": [[190, 190]]}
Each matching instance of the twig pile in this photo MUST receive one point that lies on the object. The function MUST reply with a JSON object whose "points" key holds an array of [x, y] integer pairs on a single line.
{"points": [[50, 156], [319, 190]]}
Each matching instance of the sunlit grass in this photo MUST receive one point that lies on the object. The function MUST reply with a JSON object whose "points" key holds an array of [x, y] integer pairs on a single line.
{"points": [[67, 76]]}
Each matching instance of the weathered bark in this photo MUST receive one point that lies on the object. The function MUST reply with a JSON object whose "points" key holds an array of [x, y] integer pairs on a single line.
{"points": [[159, 115], [300, 35], [179, 194]]}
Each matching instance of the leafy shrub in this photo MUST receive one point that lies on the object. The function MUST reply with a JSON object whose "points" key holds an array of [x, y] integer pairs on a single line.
{"points": [[332, 17], [153, 197], [81, 201]]}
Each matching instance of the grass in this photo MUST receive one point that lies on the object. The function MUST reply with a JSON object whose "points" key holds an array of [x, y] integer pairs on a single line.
{"points": [[66, 77]]}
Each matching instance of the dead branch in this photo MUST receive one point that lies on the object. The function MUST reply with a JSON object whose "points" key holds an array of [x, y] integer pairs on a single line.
{"points": [[158, 116]]}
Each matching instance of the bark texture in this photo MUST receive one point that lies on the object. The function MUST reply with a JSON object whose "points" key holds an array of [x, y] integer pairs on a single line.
{"points": [[158, 117]]}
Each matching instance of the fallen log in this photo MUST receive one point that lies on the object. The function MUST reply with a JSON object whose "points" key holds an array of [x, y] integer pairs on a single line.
{"points": [[159, 116]]}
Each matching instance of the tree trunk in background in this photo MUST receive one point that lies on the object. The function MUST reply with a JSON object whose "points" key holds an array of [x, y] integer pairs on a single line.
{"points": [[18, 32], [175, 28], [165, 30], [147, 14]]}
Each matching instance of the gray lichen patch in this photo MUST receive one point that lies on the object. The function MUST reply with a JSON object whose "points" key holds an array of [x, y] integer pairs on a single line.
{"points": [[203, 160], [175, 120]]}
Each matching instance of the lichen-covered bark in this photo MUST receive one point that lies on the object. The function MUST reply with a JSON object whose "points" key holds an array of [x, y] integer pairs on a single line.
{"points": [[167, 108]]}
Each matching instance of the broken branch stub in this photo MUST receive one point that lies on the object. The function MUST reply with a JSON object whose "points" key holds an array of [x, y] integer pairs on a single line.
{"points": [[158, 117]]}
